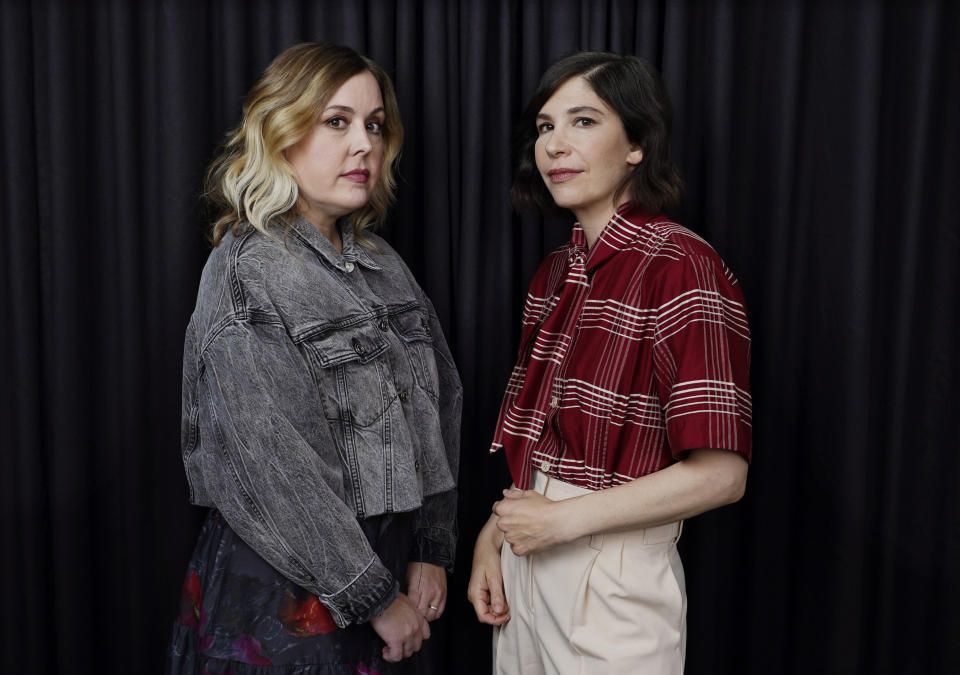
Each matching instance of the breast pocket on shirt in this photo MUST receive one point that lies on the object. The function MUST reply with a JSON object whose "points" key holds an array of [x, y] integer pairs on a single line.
{"points": [[412, 324], [352, 373]]}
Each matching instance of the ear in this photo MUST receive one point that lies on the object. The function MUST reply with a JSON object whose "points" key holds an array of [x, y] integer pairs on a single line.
{"points": [[635, 156]]}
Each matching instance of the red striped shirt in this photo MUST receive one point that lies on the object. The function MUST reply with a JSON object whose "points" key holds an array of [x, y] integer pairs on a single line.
{"points": [[631, 354]]}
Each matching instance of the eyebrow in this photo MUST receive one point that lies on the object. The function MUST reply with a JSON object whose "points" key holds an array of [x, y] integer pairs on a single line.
{"points": [[348, 109], [574, 111]]}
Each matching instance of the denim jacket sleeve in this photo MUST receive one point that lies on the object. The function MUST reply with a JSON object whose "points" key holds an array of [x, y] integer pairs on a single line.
{"points": [[435, 533], [268, 463]]}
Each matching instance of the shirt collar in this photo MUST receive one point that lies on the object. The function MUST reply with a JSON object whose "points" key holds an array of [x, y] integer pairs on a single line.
{"points": [[352, 251], [619, 233]]}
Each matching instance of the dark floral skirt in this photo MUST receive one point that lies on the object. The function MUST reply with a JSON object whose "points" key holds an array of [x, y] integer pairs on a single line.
{"points": [[239, 616]]}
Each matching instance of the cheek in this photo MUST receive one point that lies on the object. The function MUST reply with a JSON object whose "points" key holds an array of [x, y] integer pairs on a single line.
{"points": [[540, 156], [376, 163]]}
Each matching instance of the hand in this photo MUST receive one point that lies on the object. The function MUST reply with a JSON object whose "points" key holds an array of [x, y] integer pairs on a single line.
{"points": [[427, 589], [402, 628], [530, 522], [485, 590]]}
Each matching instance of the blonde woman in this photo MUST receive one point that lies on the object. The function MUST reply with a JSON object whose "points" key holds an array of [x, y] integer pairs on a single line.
{"points": [[321, 406]]}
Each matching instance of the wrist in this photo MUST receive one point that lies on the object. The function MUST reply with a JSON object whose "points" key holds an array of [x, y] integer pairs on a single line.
{"points": [[567, 519], [490, 534]]}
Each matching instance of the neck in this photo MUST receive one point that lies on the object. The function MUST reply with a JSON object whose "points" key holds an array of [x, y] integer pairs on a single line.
{"points": [[594, 220], [326, 225]]}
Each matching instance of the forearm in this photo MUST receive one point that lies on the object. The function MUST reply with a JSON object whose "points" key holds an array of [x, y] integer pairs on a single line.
{"points": [[706, 480], [490, 534], [435, 532]]}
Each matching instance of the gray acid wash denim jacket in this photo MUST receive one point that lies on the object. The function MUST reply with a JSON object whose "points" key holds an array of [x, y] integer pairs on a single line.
{"points": [[318, 389]]}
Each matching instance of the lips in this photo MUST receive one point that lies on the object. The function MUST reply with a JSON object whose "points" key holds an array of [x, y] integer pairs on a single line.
{"points": [[562, 175], [357, 175]]}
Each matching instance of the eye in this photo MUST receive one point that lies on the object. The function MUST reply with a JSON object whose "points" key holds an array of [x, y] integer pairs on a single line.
{"points": [[584, 122], [337, 122], [375, 126], [544, 127]]}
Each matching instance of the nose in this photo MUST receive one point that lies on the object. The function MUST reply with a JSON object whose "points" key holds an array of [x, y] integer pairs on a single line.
{"points": [[556, 145], [359, 138]]}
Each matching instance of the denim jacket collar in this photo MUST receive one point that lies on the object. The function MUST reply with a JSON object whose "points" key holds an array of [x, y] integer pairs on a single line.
{"points": [[352, 252]]}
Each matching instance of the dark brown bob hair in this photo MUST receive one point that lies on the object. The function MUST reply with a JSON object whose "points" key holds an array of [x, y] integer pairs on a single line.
{"points": [[634, 90]]}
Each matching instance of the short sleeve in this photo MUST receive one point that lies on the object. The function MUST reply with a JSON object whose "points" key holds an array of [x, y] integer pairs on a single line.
{"points": [[702, 356]]}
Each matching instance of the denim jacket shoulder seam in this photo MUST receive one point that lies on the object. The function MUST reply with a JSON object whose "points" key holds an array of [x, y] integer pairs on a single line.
{"points": [[252, 318], [236, 288]]}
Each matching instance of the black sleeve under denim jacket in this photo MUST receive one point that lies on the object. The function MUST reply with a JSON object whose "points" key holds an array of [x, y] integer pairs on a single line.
{"points": [[318, 389]]}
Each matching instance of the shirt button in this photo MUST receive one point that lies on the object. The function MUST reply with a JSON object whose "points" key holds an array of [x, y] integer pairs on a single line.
{"points": [[544, 466], [404, 395], [348, 267], [554, 401], [384, 326]]}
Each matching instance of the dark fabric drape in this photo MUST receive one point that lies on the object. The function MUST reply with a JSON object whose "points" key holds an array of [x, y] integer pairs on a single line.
{"points": [[820, 145]]}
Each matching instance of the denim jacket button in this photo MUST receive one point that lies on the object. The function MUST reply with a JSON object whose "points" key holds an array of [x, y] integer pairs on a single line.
{"points": [[404, 395], [348, 266], [426, 326], [384, 326], [358, 347], [416, 465]]}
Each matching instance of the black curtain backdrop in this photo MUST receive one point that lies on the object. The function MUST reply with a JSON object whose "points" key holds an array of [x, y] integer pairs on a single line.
{"points": [[820, 146]]}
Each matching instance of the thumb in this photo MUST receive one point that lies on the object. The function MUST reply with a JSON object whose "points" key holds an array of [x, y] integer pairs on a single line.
{"points": [[392, 652]]}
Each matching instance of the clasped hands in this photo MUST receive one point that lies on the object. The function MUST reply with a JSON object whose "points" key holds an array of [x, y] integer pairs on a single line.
{"points": [[404, 626], [528, 522]]}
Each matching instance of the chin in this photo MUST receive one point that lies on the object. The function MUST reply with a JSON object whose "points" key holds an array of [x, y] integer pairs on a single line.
{"points": [[569, 204], [565, 200], [355, 204]]}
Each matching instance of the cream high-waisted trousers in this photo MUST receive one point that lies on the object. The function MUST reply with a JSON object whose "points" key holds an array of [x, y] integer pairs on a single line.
{"points": [[607, 603]]}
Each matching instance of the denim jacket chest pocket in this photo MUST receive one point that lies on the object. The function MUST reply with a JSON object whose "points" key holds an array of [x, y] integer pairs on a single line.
{"points": [[411, 323], [351, 375]]}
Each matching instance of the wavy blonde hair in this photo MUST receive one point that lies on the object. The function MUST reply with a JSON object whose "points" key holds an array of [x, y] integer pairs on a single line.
{"points": [[250, 181]]}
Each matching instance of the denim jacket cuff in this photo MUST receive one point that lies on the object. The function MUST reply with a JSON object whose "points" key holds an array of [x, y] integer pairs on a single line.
{"points": [[436, 546], [365, 597]]}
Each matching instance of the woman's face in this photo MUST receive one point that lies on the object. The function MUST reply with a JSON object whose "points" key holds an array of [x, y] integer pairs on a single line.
{"points": [[338, 162], [582, 151]]}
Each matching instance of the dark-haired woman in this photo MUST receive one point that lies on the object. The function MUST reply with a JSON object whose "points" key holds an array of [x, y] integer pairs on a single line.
{"points": [[321, 407], [628, 409]]}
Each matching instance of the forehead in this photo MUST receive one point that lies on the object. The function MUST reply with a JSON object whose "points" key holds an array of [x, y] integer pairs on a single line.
{"points": [[361, 92], [573, 93]]}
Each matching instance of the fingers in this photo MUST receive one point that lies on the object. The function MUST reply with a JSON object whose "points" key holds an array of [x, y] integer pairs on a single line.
{"points": [[393, 652], [402, 629], [431, 596], [498, 600], [403, 648], [432, 609], [488, 600]]}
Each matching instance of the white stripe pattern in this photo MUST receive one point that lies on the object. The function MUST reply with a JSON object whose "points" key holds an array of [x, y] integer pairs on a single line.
{"points": [[631, 353]]}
